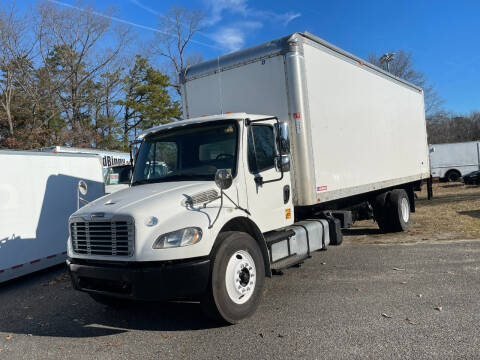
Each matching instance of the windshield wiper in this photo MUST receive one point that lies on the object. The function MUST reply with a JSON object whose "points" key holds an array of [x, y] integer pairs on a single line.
{"points": [[140, 182]]}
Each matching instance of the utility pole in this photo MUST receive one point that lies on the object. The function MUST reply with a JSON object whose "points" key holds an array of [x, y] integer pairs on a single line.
{"points": [[386, 58]]}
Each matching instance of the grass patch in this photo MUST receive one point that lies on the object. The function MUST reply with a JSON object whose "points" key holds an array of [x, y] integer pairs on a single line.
{"points": [[452, 214]]}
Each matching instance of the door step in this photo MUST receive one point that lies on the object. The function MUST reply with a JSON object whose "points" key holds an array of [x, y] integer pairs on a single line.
{"points": [[288, 261], [274, 237]]}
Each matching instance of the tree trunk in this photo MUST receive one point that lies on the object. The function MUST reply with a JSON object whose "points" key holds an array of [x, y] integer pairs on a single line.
{"points": [[9, 119], [125, 128]]}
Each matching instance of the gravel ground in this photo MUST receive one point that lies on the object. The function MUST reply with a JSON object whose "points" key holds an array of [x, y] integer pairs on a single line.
{"points": [[400, 301]]}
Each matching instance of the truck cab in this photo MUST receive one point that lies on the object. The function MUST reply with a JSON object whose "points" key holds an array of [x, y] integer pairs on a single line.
{"points": [[204, 193]]}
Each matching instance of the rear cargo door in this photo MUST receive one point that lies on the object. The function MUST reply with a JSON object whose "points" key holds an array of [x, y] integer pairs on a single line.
{"points": [[269, 194]]}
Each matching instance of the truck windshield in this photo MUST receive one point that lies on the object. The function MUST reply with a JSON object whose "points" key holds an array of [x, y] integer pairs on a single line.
{"points": [[188, 153]]}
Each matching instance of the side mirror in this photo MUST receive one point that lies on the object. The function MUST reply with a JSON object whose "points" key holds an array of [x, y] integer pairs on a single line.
{"points": [[82, 190], [283, 134], [223, 179], [82, 187], [282, 163]]}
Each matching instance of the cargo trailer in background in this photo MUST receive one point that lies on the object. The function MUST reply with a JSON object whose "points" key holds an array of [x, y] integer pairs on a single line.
{"points": [[118, 178], [109, 157], [450, 162], [117, 167], [38, 193]]}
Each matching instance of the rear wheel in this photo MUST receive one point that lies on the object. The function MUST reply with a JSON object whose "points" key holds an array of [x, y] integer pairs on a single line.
{"points": [[399, 210], [381, 212], [237, 278], [452, 175]]}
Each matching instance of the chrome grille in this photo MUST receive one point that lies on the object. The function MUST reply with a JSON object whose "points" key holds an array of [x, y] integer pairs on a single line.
{"points": [[110, 238]]}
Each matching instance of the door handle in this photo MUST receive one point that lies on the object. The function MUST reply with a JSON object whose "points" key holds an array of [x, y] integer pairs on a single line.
{"points": [[286, 193]]}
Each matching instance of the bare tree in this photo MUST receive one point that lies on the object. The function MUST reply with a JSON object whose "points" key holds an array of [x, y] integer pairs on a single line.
{"points": [[73, 52], [402, 66], [15, 50], [445, 127], [178, 26]]}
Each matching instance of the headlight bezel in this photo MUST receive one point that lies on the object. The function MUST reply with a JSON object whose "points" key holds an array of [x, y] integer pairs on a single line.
{"points": [[178, 238]]}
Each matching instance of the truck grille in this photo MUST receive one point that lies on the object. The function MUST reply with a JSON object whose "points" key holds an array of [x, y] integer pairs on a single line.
{"points": [[109, 238]]}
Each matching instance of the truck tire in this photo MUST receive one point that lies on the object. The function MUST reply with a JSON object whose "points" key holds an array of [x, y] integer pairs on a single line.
{"points": [[381, 211], [453, 175], [399, 210], [236, 280]]}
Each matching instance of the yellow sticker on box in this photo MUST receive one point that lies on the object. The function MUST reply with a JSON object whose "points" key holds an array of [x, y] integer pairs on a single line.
{"points": [[288, 213]]}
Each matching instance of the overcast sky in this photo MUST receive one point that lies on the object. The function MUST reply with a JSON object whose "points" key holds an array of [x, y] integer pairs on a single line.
{"points": [[443, 35]]}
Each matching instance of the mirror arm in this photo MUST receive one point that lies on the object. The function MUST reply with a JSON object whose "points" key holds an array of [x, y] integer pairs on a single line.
{"points": [[236, 205], [81, 200], [219, 209], [222, 194]]}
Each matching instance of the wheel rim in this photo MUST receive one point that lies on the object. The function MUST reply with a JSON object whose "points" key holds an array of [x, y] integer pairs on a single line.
{"points": [[405, 209], [240, 277]]}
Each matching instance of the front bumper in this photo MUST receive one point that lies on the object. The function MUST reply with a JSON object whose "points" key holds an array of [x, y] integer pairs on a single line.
{"points": [[141, 281]]}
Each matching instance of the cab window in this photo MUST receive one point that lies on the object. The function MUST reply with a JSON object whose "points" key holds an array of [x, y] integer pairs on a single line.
{"points": [[261, 148]]}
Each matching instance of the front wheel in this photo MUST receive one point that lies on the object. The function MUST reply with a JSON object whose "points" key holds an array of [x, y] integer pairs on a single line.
{"points": [[237, 278]]}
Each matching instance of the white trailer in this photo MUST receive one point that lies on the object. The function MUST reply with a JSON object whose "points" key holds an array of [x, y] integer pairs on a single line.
{"points": [[219, 202], [116, 165], [38, 193], [451, 161], [110, 158]]}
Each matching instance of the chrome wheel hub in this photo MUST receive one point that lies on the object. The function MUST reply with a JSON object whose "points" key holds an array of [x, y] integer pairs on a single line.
{"points": [[240, 277]]}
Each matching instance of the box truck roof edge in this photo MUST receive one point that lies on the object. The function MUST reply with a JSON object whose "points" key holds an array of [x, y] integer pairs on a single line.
{"points": [[272, 48]]}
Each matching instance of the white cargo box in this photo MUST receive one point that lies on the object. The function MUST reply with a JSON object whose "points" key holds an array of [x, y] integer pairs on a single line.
{"points": [[38, 193], [354, 127]]}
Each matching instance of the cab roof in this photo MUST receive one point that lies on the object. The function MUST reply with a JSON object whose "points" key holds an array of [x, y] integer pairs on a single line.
{"points": [[199, 120]]}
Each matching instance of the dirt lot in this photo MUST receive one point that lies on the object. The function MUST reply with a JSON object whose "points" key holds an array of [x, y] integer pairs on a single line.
{"points": [[452, 214]]}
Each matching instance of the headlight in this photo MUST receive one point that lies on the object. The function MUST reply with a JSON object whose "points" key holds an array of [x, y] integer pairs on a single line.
{"points": [[182, 237]]}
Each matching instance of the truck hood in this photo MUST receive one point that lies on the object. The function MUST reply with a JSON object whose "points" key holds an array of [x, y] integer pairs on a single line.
{"points": [[166, 197]]}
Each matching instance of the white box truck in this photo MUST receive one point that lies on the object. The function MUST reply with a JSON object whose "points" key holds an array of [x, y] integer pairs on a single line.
{"points": [[450, 162], [38, 193], [220, 202]]}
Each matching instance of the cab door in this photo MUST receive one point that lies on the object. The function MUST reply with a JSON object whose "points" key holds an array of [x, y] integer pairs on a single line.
{"points": [[269, 192]]}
